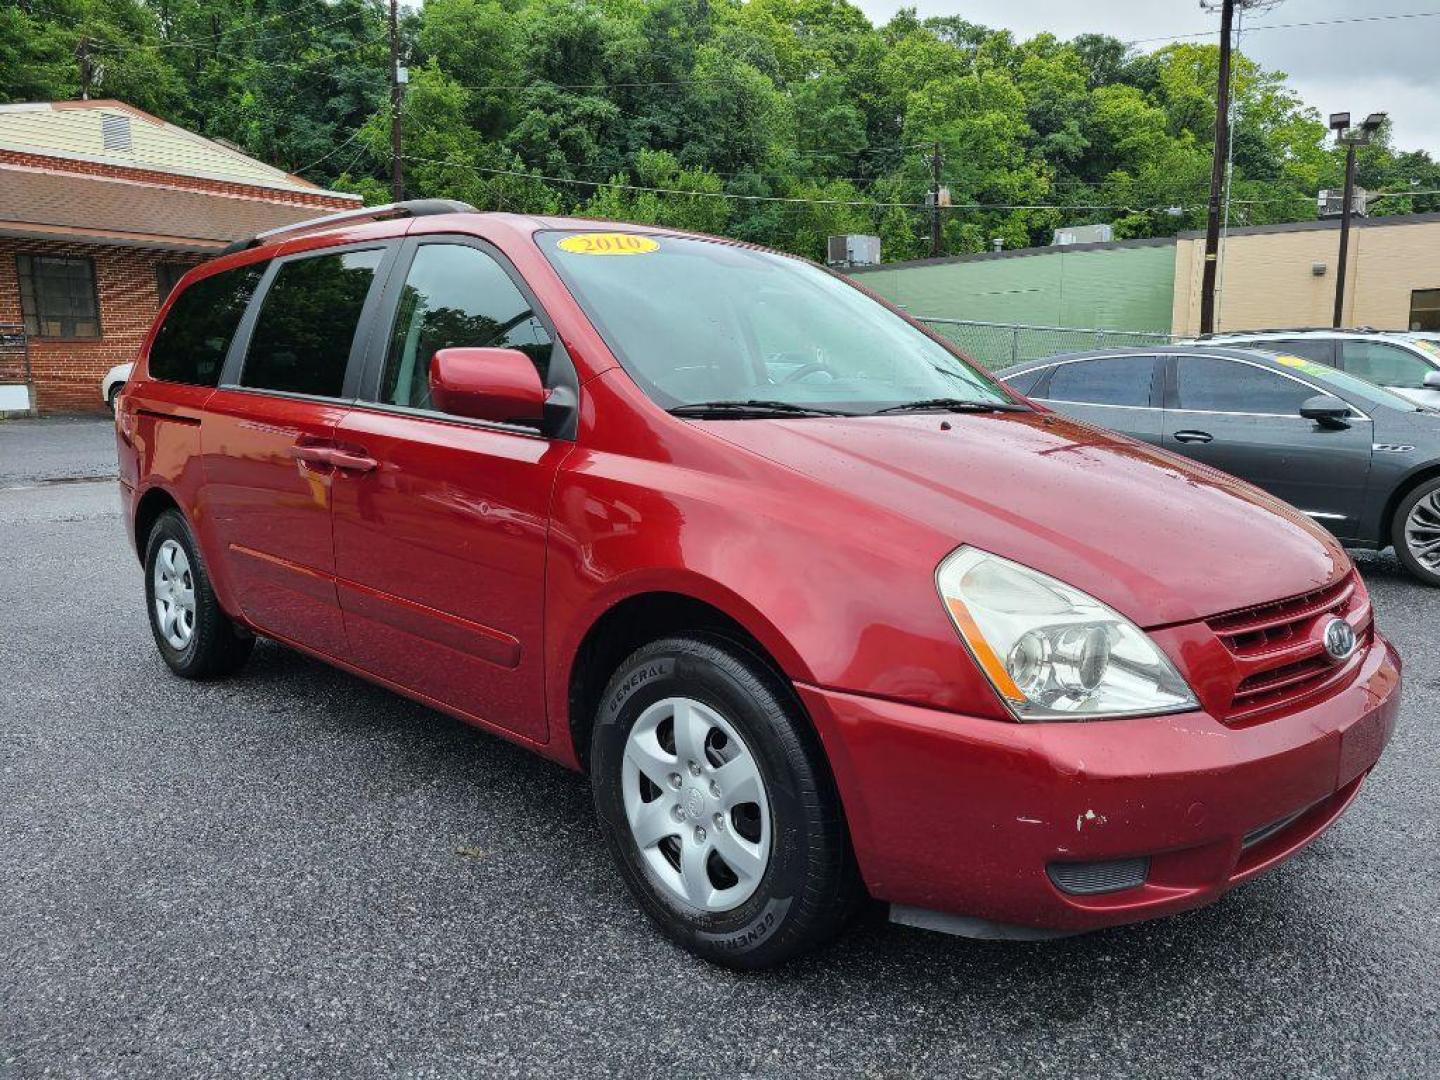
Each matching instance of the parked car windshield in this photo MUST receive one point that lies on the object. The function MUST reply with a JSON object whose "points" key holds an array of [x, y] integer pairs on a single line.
{"points": [[695, 321]]}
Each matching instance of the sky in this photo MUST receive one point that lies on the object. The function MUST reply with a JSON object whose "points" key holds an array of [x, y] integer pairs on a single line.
{"points": [[1363, 67]]}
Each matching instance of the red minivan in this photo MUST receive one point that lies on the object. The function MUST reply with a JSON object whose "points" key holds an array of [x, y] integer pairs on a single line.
{"points": [[825, 612]]}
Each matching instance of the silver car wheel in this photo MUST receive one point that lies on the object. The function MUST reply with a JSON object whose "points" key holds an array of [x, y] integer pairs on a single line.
{"points": [[174, 593], [1422, 531], [696, 804]]}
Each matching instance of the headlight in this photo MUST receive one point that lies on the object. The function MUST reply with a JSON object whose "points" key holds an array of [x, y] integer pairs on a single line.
{"points": [[1052, 652]]}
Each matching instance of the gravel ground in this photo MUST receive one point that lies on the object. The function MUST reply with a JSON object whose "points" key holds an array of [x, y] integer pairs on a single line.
{"points": [[296, 873]]}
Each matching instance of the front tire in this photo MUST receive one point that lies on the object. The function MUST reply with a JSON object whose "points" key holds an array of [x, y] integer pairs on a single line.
{"points": [[718, 806], [1416, 532], [196, 639]]}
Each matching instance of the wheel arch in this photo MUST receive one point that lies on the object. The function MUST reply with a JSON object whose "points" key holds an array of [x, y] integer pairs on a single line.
{"points": [[633, 621], [152, 504]]}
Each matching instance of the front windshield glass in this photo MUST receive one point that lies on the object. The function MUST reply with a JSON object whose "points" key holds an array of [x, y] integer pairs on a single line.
{"points": [[696, 321], [1346, 385]]}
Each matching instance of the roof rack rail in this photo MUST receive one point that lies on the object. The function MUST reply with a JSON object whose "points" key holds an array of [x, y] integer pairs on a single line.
{"points": [[410, 208], [1295, 330]]}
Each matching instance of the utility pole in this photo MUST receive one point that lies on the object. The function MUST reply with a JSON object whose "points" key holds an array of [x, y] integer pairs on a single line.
{"points": [[935, 201], [1351, 139], [1221, 155], [397, 91]]}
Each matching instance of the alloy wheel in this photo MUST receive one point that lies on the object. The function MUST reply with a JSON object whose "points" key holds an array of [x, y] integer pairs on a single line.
{"points": [[1422, 531], [174, 594], [696, 804]]}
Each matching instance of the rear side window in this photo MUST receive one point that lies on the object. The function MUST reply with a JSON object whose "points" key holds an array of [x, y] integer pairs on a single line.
{"points": [[456, 295], [1213, 384], [1321, 350], [302, 338], [1110, 380], [191, 343]]}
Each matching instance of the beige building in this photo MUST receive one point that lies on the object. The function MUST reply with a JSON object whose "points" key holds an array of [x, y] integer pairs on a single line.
{"points": [[1284, 276]]}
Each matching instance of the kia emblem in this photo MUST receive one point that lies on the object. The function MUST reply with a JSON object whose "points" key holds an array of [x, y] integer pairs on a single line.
{"points": [[1339, 639]]}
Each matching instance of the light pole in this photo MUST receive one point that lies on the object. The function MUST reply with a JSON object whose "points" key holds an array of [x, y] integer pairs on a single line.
{"points": [[1350, 138]]}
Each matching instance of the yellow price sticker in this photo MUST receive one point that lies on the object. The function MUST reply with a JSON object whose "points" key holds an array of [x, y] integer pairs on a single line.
{"points": [[1290, 361], [613, 243]]}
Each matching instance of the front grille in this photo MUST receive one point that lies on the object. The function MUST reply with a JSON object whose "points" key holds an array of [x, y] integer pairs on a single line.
{"points": [[1278, 650], [1091, 878]]}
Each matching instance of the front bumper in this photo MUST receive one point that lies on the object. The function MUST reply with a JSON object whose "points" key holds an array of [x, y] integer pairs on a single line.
{"points": [[969, 816]]}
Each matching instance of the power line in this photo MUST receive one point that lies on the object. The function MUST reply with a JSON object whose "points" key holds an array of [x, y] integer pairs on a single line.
{"points": [[1294, 26]]}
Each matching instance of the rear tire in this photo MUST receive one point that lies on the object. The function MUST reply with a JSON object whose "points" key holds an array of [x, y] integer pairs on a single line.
{"points": [[746, 877], [1415, 532], [195, 638]]}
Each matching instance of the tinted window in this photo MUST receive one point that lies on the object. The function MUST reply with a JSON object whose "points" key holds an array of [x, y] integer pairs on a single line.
{"points": [[1111, 380], [456, 296], [1384, 365], [1026, 380], [191, 343], [1321, 350], [302, 338], [1211, 384]]}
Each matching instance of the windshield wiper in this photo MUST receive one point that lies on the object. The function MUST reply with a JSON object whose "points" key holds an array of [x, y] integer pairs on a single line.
{"points": [[752, 407], [948, 404]]}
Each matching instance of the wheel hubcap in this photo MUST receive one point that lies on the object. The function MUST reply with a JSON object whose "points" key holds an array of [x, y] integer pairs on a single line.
{"points": [[696, 804], [174, 592], [1422, 531]]}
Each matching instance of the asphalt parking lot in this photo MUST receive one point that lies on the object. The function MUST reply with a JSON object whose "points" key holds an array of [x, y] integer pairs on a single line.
{"points": [[297, 873]]}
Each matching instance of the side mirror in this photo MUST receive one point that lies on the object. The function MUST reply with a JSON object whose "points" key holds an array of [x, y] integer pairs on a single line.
{"points": [[1432, 380], [1327, 411], [487, 384]]}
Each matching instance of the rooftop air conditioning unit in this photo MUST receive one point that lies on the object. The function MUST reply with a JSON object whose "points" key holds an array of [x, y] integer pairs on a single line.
{"points": [[853, 250], [1083, 234], [1331, 202]]}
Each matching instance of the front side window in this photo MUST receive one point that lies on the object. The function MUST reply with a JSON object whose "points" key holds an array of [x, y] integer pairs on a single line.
{"points": [[1384, 365], [1213, 384], [454, 296], [191, 343], [302, 338], [695, 321], [57, 296], [1110, 380]]}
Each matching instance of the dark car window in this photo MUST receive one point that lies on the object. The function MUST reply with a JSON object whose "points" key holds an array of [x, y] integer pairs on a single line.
{"points": [[456, 295], [1384, 364], [1109, 380], [1213, 384], [302, 338], [1321, 350], [1024, 382], [191, 343]]}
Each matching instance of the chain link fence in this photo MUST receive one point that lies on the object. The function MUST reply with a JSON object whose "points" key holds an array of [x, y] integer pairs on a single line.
{"points": [[998, 345]]}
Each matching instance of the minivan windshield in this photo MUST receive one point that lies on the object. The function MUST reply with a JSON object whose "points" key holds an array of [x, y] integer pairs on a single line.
{"points": [[700, 322]]}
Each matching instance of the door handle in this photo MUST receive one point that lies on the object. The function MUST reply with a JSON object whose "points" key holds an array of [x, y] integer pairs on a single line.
{"points": [[334, 457], [1193, 436], [351, 461]]}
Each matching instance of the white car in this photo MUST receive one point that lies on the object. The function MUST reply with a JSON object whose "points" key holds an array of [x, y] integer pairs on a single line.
{"points": [[1405, 362], [113, 382]]}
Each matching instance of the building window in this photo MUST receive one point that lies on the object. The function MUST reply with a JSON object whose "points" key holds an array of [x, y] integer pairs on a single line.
{"points": [[1425, 309], [167, 276], [57, 296]]}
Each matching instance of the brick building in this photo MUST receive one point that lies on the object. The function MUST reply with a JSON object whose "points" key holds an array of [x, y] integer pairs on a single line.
{"points": [[102, 208]]}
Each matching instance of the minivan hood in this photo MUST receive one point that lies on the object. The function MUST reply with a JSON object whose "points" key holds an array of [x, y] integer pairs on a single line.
{"points": [[1160, 539]]}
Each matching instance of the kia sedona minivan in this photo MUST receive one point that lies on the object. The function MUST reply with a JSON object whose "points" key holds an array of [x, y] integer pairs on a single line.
{"points": [[826, 613]]}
